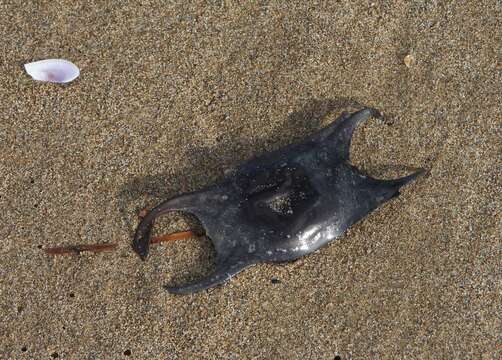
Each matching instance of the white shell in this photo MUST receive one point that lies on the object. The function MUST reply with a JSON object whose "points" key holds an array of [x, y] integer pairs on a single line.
{"points": [[53, 70]]}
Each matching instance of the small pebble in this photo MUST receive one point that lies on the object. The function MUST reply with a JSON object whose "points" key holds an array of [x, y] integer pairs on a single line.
{"points": [[408, 60]]}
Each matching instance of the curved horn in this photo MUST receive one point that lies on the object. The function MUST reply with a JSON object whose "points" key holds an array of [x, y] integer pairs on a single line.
{"points": [[223, 273], [339, 133], [141, 242]]}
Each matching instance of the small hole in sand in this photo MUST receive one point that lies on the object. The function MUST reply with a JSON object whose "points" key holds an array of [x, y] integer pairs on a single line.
{"points": [[127, 352], [39, 246], [72, 295], [54, 355], [338, 357], [275, 281], [24, 348]]}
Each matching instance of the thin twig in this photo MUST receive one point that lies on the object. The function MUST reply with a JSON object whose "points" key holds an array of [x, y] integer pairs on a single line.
{"points": [[96, 248], [77, 249], [170, 237]]}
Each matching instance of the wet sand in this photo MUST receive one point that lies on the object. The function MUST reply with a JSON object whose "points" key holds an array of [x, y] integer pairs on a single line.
{"points": [[172, 95]]}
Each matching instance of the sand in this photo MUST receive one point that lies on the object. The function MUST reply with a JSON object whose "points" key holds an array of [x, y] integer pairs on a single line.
{"points": [[172, 95]]}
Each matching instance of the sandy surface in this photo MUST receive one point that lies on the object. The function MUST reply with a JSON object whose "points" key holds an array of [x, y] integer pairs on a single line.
{"points": [[172, 95]]}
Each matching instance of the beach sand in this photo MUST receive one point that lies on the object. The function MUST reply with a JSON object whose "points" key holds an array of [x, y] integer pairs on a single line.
{"points": [[169, 97]]}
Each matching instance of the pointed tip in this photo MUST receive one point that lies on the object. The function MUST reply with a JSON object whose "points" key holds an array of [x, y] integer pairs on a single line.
{"points": [[340, 134], [140, 251], [365, 114], [360, 116], [340, 131], [141, 243], [370, 112], [420, 172], [409, 178]]}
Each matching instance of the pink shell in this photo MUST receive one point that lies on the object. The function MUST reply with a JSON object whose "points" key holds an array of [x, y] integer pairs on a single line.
{"points": [[53, 70]]}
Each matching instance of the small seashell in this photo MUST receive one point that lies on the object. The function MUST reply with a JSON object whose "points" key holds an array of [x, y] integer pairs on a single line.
{"points": [[53, 70]]}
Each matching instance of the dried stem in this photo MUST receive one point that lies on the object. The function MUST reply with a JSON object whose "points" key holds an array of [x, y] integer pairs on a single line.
{"points": [[174, 236], [77, 249]]}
